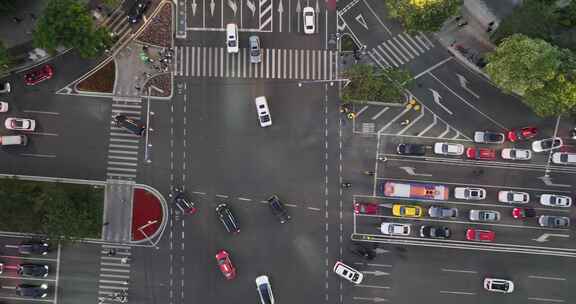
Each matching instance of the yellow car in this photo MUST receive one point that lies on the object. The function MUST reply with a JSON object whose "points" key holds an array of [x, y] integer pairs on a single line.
{"points": [[407, 210]]}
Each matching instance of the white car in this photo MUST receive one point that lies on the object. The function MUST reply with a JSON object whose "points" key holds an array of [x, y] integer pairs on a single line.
{"points": [[232, 38], [309, 20], [514, 197], [498, 285], [3, 107], [448, 148], [516, 154], [395, 228], [564, 158], [554, 200], [263, 111], [547, 144], [348, 272], [468, 193], [264, 290], [487, 137], [20, 124]]}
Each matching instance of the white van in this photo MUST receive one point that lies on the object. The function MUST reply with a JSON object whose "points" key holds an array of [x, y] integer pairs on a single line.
{"points": [[232, 37], [12, 140], [263, 111]]}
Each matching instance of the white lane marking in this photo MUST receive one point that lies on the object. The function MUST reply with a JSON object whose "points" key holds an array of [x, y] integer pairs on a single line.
{"points": [[134, 141], [546, 278], [115, 270], [373, 265], [123, 157], [119, 276], [377, 18], [41, 112], [434, 122], [43, 133], [388, 56], [313, 208], [459, 271], [546, 300], [380, 113], [373, 286], [364, 108], [244, 199], [458, 292], [39, 155], [222, 196], [430, 69], [122, 163]]}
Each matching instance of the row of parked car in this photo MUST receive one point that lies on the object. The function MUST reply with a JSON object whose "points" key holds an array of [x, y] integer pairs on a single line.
{"points": [[31, 270]]}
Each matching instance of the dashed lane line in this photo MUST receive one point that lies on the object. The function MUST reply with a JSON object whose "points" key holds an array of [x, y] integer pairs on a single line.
{"points": [[458, 292]]}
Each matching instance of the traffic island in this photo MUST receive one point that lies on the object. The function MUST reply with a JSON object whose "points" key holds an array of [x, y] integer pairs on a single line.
{"points": [[158, 32], [148, 214], [100, 81]]}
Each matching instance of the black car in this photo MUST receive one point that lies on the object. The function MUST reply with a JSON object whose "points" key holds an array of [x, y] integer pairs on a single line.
{"points": [[137, 10], [33, 247], [363, 252], [32, 291], [278, 209], [227, 218], [181, 201], [411, 149], [436, 232], [133, 125], [33, 270]]}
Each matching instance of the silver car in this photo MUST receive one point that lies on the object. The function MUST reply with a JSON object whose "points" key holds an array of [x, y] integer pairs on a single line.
{"points": [[484, 215], [442, 212], [255, 50], [554, 221]]}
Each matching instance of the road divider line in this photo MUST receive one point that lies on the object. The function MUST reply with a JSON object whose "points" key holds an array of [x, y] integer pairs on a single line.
{"points": [[41, 112], [373, 286], [459, 271], [546, 278], [39, 155], [244, 199], [458, 292], [546, 300]]}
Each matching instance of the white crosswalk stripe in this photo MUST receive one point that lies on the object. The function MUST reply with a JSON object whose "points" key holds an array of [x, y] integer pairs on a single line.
{"points": [[114, 273], [123, 148], [215, 62], [399, 50]]}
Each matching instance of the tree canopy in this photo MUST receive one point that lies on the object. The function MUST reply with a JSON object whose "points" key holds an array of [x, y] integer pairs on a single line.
{"points": [[68, 23], [538, 71], [366, 85], [422, 15]]}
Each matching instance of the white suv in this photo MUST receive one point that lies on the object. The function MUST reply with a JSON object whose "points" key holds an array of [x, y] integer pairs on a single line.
{"points": [[263, 111], [564, 158], [264, 290], [498, 285], [395, 228], [348, 272], [309, 20], [232, 38], [468, 193]]}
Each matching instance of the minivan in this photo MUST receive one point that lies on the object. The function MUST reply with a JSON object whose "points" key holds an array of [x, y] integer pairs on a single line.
{"points": [[263, 111], [232, 37], [13, 140]]}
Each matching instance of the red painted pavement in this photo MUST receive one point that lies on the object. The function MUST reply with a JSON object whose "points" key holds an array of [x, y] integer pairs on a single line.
{"points": [[146, 208]]}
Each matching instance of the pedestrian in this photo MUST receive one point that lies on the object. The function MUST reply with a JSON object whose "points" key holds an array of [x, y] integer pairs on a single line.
{"points": [[106, 224], [17, 20], [32, 16], [462, 24]]}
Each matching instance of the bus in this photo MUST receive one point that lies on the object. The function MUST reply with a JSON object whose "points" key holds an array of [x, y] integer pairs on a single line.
{"points": [[415, 190]]}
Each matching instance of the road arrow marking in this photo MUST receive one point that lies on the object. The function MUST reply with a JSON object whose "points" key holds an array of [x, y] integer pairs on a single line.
{"points": [[548, 181], [464, 84], [194, 6], [437, 98], [280, 12], [361, 20], [298, 9], [544, 237], [232, 4], [376, 273], [375, 300], [212, 7], [251, 6], [410, 170]]}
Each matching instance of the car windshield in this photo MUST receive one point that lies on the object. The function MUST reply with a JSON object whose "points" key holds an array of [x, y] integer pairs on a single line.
{"points": [[500, 286], [444, 148], [564, 158], [231, 43], [493, 136], [264, 293]]}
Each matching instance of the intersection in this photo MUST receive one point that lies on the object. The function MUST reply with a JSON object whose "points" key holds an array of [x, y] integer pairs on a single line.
{"points": [[206, 139]]}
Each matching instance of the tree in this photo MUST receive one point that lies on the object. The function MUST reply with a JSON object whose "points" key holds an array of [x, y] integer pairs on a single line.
{"points": [[6, 6], [68, 23], [422, 15], [5, 59], [365, 85], [521, 63], [558, 96]]}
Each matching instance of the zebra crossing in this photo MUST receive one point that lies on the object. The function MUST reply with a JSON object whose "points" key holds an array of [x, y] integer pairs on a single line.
{"points": [[117, 24], [276, 63], [114, 274], [123, 148], [399, 50]]}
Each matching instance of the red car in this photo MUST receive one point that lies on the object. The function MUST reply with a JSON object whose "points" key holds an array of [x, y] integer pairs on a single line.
{"points": [[225, 264], [365, 208], [480, 153], [522, 213], [480, 235], [39, 75], [521, 134]]}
